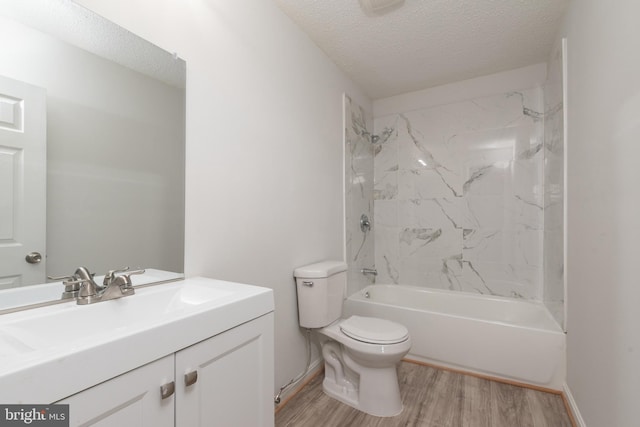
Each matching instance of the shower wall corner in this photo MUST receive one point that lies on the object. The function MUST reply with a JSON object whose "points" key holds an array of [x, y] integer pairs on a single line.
{"points": [[358, 191]]}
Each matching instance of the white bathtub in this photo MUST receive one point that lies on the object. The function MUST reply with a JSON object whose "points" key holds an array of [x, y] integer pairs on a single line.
{"points": [[501, 337]]}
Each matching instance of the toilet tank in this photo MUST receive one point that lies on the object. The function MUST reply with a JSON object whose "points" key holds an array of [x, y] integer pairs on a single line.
{"points": [[321, 288]]}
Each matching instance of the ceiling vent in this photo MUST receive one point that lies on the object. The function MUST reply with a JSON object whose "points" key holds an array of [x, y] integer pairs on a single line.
{"points": [[379, 7]]}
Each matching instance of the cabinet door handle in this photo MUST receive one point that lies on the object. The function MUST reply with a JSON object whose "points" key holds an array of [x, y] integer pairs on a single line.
{"points": [[167, 389], [190, 378]]}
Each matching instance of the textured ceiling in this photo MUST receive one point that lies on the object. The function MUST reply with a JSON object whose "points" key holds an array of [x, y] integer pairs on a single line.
{"points": [[428, 43], [74, 24]]}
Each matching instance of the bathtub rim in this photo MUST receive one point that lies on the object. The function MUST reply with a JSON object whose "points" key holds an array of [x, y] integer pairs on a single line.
{"points": [[359, 296]]}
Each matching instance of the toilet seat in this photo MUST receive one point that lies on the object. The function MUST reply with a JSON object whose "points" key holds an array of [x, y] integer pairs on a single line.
{"points": [[373, 330]]}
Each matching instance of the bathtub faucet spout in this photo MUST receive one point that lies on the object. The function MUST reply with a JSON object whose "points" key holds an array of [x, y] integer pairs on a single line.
{"points": [[371, 271]]}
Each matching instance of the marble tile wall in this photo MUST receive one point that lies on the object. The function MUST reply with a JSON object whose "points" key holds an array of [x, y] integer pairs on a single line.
{"points": [[458, 196], [358, 151], [554, 186]]}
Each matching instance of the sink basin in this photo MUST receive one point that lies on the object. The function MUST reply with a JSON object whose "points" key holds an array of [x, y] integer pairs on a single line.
{"points": [[10, 345], [48, 353], [71, 324]]}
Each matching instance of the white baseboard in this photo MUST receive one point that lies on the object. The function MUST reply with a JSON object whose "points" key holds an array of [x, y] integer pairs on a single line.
{"points": [[314, 368], [577, 417]]}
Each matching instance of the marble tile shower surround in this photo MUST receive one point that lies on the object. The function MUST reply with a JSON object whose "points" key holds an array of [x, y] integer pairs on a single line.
{"points": [[554, 186], [358, 155], [458, 196]]}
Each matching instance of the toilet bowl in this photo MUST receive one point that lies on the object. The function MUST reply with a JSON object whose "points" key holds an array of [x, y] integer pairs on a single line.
{"points": [[363, 374], [360, 353]]}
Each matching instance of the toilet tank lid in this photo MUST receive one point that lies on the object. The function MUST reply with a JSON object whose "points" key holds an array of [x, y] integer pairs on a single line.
{"points": [[320, 269]]}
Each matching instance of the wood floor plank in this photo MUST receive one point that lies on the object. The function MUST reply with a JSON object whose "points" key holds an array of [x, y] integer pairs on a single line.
{"points": [[509, 406], [548, 410], [446, 400], [414, 385], [433, 398], [477, 403]]}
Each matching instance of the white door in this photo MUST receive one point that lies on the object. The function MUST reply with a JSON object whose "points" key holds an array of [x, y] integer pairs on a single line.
{"points": [[23, 155]]}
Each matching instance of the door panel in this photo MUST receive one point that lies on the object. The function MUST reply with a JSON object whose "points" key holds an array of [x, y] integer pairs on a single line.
{"points": [[22, 182], [130, 400], [227, 380]]}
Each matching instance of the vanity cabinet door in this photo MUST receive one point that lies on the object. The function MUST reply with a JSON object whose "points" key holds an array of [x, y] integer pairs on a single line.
{"points": [[228, 380], [132, 399]]}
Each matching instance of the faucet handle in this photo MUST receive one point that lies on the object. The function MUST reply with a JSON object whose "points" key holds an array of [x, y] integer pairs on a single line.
{"points": [[111, 274], [139, 271], [73, 283], [68, 280], [124, 282], [59, 278], [131, 273]]}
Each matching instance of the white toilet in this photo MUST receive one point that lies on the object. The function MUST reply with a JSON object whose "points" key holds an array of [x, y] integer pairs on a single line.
{"points": [[360, 353]]}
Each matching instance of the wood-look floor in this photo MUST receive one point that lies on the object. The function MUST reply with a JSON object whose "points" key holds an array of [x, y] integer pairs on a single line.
{"points": [[433, 398]]}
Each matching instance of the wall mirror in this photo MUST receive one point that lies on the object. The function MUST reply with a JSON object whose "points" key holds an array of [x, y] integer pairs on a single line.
{"points": [[92, 146]]}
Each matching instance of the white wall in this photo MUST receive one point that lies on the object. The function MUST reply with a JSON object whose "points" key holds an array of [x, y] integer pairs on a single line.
{"points": [[264, 190], [604, 210]]}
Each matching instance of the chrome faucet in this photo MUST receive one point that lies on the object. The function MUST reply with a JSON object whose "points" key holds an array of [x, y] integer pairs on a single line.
{"points": [[86, 291], [115, 285], [371, 271]]}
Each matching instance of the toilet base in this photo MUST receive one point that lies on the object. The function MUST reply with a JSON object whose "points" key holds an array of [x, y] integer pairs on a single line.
{"points": [[368, 396], [346, 395]]}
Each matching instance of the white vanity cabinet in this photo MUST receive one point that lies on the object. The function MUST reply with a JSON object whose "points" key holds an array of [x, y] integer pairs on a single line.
{"points": [[226, 380], [109, 360]]}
